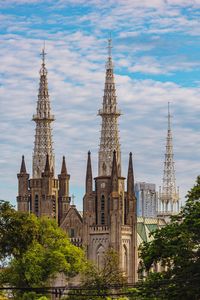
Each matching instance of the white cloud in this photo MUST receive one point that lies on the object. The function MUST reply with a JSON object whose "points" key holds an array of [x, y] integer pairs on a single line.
{"points": [[75, 61]]}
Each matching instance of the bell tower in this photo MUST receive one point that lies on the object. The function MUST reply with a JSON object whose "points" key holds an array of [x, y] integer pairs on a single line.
{"points": [[109, 211], [43, 194]]}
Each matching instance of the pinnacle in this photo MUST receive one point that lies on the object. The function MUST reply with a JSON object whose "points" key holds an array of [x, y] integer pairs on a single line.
{"points": [[64, 168], [47, 165], [23, 166], [130, 177], [88, 180], [114, 165]]}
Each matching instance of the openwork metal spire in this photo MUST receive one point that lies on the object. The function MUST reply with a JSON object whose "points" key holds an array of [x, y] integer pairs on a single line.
{"points": [[169, 195], [43, 118], [109, 141]]}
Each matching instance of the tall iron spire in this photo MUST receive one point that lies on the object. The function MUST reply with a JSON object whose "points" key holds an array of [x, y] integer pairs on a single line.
{"points": [[169, 195], [109, 141], [43, 137]]}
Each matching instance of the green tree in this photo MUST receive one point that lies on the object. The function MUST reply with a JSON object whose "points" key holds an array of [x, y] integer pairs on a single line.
{"points": [[177, 248], [98, 283], [33, 250]]}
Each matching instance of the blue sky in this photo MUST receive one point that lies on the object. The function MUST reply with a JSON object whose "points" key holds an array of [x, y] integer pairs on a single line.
{"points": [[156, 50]]}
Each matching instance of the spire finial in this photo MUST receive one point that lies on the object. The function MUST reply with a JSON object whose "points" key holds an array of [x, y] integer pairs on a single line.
{"points": [[88, 180], [23, 166], [64, 168], [169, 117], [43, 54], [109, 63], [110, 46], [130, 176]]}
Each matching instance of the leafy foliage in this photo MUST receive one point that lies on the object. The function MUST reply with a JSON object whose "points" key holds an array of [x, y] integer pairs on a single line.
{"points": [[177, 248], [97, 283], [34, 249]]}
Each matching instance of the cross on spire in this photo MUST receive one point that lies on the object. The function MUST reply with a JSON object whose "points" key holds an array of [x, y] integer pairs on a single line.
{"points": [[110, 46], [43, 54], [169, 116]]}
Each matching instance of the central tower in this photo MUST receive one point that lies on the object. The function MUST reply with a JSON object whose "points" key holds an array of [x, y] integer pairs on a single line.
{"points": [[109, 211], [109, 141]]}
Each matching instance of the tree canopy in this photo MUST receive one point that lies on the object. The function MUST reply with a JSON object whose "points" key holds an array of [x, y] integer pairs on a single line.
{"points": [[34, 250], [97, 283], [176, 247]]}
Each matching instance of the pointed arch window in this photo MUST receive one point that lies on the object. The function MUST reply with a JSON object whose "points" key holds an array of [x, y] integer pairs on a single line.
{"points": [[125, 260], [102, 203], [100, 256], [36, 205]]}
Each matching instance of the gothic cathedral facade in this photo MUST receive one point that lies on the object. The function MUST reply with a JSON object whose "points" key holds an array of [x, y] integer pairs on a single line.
{"points": [[109, 206]]}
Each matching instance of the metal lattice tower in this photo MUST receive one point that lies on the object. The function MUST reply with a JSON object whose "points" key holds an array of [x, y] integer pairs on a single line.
{"points": [[109, 140], [43, 119], [169, 195]]}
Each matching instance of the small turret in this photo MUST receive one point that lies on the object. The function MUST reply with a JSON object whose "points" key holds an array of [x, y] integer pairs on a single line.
{"points": [[63, 168], [23, 192], [88, 181], [114, 174], [23, 166], [63, 193], [130, 177]]}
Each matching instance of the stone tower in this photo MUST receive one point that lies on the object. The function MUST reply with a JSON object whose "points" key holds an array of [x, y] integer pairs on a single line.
{"points": [[43, 194], [43, 118], [109, 140], [23, 189], [109, 210], [169, 194]]}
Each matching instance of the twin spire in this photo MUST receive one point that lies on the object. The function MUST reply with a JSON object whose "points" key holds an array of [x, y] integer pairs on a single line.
{"points": [[43, 143], [109, 141], [43, 155]]}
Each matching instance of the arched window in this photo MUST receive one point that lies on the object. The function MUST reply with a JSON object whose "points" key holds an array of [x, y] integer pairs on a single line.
{"points": [[125, 260], [102, 218], [102, 203], [36, 208], [102, 210], [100, 256]]}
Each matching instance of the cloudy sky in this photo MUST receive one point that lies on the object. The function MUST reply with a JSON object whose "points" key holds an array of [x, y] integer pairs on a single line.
{"points": [[156, 53]]}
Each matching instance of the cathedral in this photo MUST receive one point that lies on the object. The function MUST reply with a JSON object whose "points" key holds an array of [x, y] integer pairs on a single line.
{"points": [[109, 205]]}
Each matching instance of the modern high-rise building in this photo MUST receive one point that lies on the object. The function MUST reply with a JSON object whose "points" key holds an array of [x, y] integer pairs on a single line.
{"points": [[109, 206], [147, 199]]}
